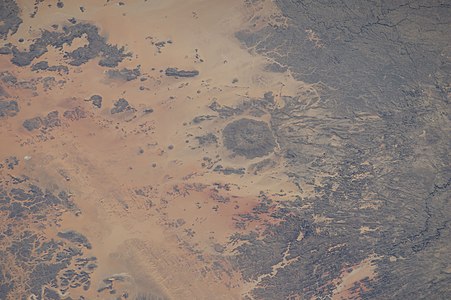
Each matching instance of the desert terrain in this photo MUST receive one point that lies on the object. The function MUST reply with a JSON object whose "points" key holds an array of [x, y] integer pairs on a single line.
{"points": [[224, 150]]}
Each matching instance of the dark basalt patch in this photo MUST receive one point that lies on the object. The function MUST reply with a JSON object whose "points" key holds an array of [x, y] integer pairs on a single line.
{"points": [[51, 294], [9, 18], [44, 65], [97, 46], [256, 107], [58, 68], [207, 139], [5, 50], [8, 78], [96, 100], [11, 162], [229, 171], [8, 108], [262, 165], [124, 74], [33, 123], [50, 121], [248, 138], [75, 114], [224, 111], [121, 105], [75, 237], [200, 119], [180, 73]]}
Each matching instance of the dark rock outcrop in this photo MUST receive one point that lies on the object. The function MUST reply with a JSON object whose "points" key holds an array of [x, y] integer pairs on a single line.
{"points": [[207, 139], [96, 100], [8, 108], [124, 74], [229, 171], [121, 105], [5, 50], [248, 138], [181, 73], [50, 121], [42, 65], [33, 123], [75, 114], [75, 237], [9, 18]]}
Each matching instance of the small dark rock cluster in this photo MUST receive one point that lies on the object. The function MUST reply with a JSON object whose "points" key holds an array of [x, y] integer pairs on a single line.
{"points": [[75, 237], [44, 66], [50, 121], [75, 114], [229, 171], [96, 100], [9, 18], [200, 119], [124, 74], [8, 108], [207, 139], [110, 55], [121, 105]]}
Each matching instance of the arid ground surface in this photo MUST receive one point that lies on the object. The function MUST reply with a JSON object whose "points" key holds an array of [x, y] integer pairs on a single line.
{"points": [[212, 149]]}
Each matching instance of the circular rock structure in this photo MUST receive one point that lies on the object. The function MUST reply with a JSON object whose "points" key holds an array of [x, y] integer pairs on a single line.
{"points": [[248, 138]]}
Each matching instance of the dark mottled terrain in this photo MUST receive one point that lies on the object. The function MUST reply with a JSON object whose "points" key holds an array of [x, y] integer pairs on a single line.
{"points": [[382, 73], [30, 261], [97, 46], [9, 17]]}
